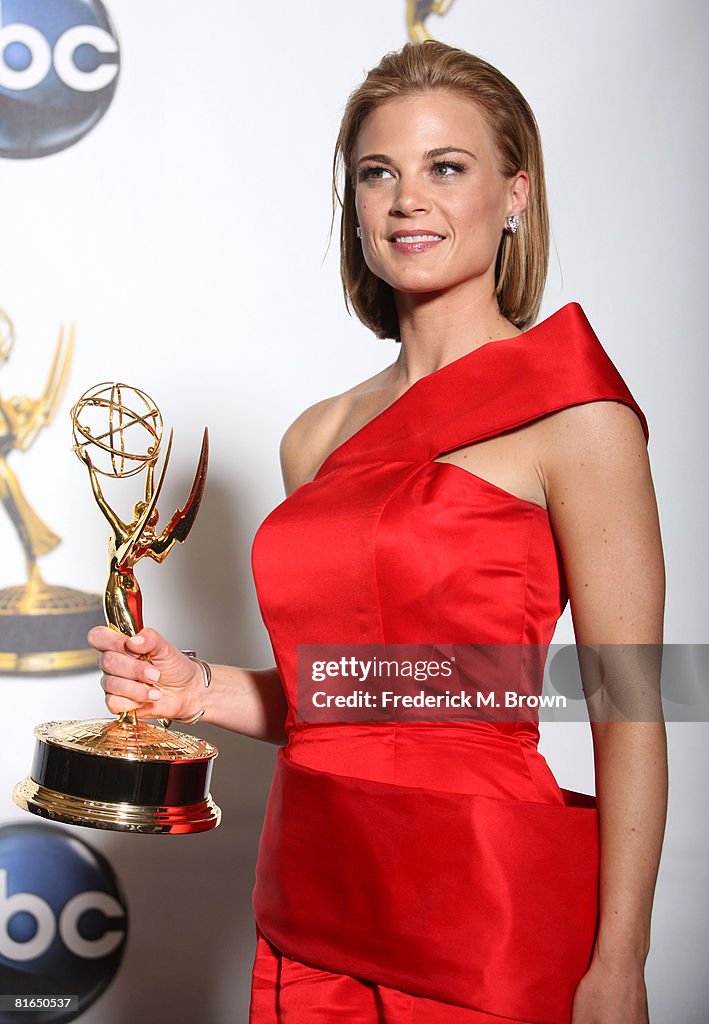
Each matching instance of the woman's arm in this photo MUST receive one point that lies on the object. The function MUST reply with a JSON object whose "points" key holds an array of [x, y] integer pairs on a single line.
{"points": [[147, 674], [602, 505]]}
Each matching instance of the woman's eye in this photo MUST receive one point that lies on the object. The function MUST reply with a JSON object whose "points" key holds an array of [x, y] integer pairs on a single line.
{"points": [[440, 169], [373, 173], [447, 169]]}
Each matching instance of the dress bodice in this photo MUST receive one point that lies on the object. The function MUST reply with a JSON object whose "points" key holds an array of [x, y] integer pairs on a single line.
{"points": [[386, 545]]}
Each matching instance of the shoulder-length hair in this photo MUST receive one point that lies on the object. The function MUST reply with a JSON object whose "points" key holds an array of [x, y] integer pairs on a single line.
{"points": [[522, 257]]}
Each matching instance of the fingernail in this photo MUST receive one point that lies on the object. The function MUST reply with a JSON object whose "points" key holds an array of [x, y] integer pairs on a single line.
{"points": [[154, 694], [138, 640], [152, 674]]}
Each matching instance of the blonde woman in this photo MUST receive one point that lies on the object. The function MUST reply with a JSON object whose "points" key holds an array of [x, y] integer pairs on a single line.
{"points": [[426, 871]]}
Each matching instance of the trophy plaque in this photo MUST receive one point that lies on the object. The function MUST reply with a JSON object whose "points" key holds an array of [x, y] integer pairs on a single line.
{"points": [[43, 627], [124, 773]]}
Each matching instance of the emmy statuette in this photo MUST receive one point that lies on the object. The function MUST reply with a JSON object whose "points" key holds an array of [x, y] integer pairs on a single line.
{"points": [[125, 774], [43, 627], [416, 13]]}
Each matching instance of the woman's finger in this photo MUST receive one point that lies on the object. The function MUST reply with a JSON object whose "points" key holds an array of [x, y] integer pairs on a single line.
{"points": [[127, 666], [139, 693], [105, 639], [148, 642], [117, 705]]}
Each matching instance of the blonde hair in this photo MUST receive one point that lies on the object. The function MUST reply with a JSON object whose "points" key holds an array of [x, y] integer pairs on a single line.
{"points": [[522, 258]]}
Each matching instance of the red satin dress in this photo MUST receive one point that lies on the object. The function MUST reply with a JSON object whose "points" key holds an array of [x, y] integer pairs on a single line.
{"points": [[413, 872]]}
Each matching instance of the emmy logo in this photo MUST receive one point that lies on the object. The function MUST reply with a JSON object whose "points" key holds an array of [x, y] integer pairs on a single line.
{"points": [[416, 13], [42, 627]]}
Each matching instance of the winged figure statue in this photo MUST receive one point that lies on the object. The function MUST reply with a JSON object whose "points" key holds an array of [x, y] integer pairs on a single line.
{"points": [[21, 420], [416, 13]]}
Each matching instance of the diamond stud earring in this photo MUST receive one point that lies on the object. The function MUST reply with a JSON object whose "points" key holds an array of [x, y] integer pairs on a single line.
{"points": [[359, 231], [512, 223]]}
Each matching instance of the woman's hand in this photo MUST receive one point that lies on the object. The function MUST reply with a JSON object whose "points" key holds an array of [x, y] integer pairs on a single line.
{"points": [[144, 673], [611, 994]]}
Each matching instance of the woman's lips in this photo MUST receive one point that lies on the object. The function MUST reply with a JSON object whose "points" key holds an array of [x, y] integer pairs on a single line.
{"points": [[417, 241]]}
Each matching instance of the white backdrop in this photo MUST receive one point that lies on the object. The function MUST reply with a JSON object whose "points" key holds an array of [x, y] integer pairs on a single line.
{"points": [[186, 237]]}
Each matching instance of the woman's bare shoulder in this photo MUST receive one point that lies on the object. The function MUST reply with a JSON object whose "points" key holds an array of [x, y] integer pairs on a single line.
{"points": [[603, 510], [316, 431], [600, 428]]}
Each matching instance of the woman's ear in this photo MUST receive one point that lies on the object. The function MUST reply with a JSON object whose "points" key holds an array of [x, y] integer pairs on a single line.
{"points": [[519, 193]]}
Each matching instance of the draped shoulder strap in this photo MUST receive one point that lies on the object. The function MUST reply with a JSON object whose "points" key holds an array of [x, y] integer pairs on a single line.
{"points": [[558, 364], [496, 387]]}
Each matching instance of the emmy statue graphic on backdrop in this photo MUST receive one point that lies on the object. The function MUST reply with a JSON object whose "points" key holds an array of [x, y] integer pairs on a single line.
{"points": [[416, 13], [42, 627], [122, 773]]}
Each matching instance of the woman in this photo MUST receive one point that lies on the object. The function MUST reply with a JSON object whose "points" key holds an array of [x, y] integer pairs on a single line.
{"points": [[411, 870]]}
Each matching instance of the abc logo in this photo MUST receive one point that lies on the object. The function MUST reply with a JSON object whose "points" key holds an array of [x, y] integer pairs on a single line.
{"points": [[63, 919], [59, 66]]}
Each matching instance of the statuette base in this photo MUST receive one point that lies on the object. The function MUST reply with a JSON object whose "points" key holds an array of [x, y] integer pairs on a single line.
{"points": [[43, 629], [113, 775]]}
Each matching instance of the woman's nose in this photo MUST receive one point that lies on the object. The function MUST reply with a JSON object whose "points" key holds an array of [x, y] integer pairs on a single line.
{"points": [[410, 196]]}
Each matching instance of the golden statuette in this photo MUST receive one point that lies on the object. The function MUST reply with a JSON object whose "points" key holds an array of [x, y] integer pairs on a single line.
{"points": [[43, 627], [123, 773], [416, 13]]}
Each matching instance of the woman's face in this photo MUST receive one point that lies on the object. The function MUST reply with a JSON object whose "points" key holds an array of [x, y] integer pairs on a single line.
{"points": [[430, 198]]}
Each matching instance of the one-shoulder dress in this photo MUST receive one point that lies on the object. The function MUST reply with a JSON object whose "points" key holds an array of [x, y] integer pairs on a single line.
{"points": [[426, 871]]}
